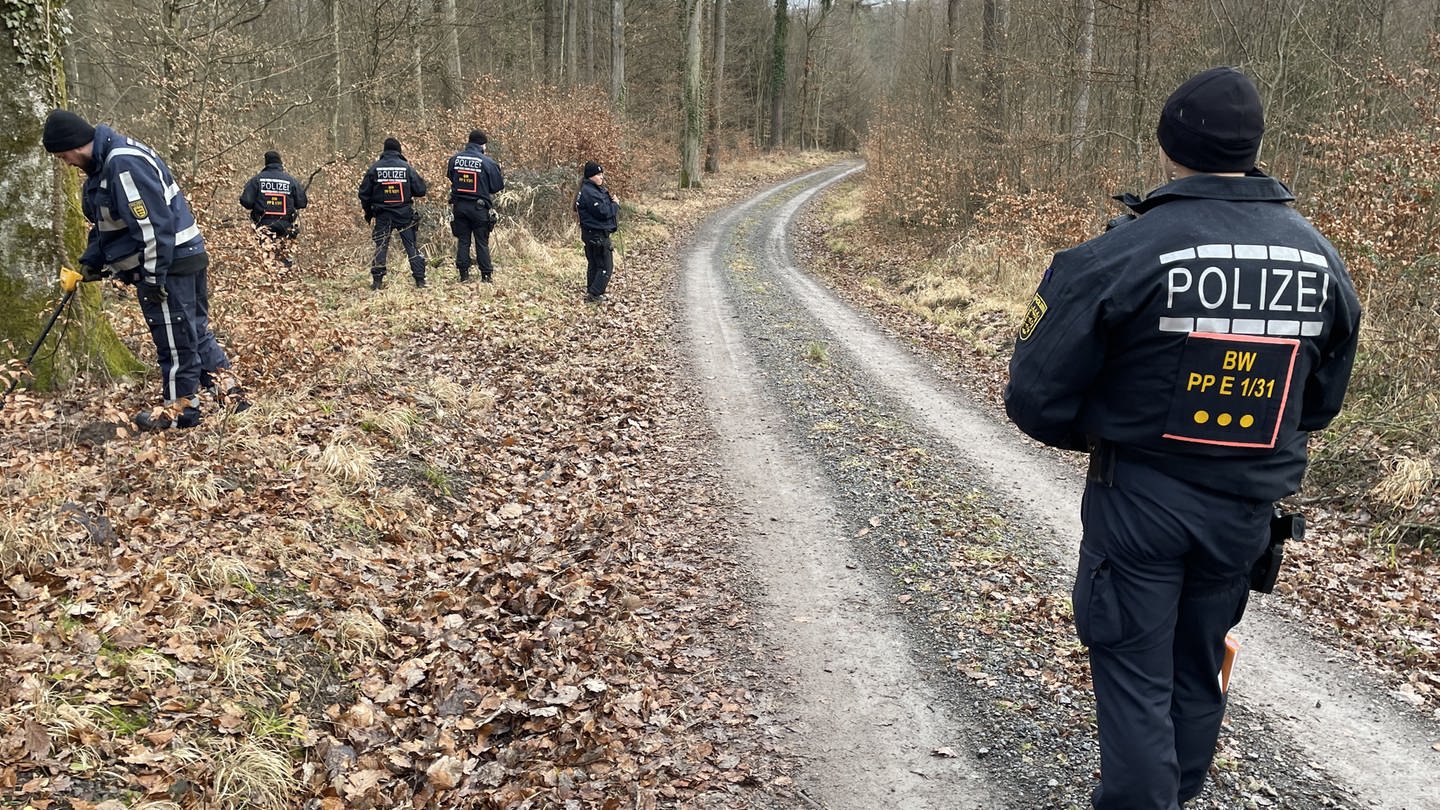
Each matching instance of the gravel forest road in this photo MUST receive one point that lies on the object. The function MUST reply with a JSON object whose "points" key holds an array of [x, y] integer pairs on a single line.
{"points": [[912, 556]]}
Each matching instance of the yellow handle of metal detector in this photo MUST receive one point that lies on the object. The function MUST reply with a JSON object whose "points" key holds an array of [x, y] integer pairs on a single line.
{"points": [[69, 279]]}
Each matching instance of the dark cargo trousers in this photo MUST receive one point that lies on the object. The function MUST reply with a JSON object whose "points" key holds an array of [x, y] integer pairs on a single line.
{"points": [[1163, 574], [599, 261], [384, 224], [185, 348], [472, 222]]}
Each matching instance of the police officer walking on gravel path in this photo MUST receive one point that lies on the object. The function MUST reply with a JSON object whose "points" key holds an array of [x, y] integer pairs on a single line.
{"points": [[1190, 351], [475, 179], [274, 199], [598, 211], [143, 233], [387, 195]]}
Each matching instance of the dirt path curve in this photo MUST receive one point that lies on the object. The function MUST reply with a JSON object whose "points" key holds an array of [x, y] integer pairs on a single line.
{"points": [[869, 721], [870, 717]]}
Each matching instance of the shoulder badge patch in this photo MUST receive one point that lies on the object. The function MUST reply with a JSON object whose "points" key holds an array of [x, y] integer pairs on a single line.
{"points": [[1037, 310], [138, 209]]}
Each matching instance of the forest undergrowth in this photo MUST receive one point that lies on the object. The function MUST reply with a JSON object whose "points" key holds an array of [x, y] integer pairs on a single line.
{"points": [[454, 556]]}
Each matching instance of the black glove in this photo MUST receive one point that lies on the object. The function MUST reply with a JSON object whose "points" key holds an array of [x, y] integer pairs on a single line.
{"points": [[369, 213], [152, 293], [91, 273]]}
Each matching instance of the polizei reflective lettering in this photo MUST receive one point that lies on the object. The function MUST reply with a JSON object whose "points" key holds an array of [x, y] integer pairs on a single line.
{"points": [[1245, 290]]}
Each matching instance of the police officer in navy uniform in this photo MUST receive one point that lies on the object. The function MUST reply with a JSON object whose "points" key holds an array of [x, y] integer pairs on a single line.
{"points": [[598, 211], [475, 179], [1190, 351], [143, 233], [387, 195], [274, 199]]}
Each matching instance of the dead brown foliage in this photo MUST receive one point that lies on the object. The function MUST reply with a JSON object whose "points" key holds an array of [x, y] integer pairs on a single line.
{"points": [[459, 554]]}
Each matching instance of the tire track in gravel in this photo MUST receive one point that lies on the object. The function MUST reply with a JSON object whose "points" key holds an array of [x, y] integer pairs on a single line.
{"points": [[1305, 718], [867, 723]]}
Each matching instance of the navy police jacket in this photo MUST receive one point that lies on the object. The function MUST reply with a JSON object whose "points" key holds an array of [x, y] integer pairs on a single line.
{"points": [[141, 224], [273, 196], [474, 176], [1206, 338], [596, 210], [390, 186]]}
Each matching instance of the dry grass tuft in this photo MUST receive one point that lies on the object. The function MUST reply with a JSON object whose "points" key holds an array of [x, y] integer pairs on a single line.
{"points": [[235, 664], [29, 542], [395, 420], [468, 400], [348, 463], [354, 367], [199, 486], [1000, 275], [360, 632], [1406, 482], [148, 668], [254, 776], [223, 571]]}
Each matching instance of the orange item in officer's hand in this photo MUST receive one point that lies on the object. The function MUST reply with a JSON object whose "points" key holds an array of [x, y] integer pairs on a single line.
{"points": [[1232, 649]]}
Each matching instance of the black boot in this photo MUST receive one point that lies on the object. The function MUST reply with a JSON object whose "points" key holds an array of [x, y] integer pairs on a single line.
{"points": [[464, 274], [377, 280]]}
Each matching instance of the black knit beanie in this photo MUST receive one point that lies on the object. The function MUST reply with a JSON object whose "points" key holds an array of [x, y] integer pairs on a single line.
{"points": [[392, 145], [592, 168], [1213, 122], [272, 157], [65, 130], [476, 136]]}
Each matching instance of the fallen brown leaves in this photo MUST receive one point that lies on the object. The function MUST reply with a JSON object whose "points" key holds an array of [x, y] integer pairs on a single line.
{"points": [[459, 554]]}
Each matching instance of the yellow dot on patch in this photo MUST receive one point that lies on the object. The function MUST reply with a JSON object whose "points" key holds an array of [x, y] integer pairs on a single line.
{"points": [[1223, 420], [1201, 417], [1247, 420]]}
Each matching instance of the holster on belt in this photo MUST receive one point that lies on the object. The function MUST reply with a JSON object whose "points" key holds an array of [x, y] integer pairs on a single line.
{"points": [[1102, 462]]}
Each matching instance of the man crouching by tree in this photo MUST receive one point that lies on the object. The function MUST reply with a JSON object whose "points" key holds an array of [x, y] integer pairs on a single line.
{"points": [[274, 199], [143, 233]]}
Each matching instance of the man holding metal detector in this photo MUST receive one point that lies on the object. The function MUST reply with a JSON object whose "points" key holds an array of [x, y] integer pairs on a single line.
{"points": [[1191, 349], [143, 233]]}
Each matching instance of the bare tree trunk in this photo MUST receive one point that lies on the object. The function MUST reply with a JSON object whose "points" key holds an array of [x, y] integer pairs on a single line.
{"points": [[419, 77], [589, 75], [554, 39], [335, 112], [1084, 62], [33, 199], [572, 42], [453, 94], [617, 53], [952, 47], [990, 43], [777, 74], [717, 83], [692, 102], [1140, 71]]}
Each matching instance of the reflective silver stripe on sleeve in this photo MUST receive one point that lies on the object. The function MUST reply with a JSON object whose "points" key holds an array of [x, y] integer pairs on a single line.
{"points": [[187, 235], [146, 229]]}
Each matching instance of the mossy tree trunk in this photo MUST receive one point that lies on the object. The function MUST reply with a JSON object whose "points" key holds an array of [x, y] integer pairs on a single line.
{"points": [[35, 237]]}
